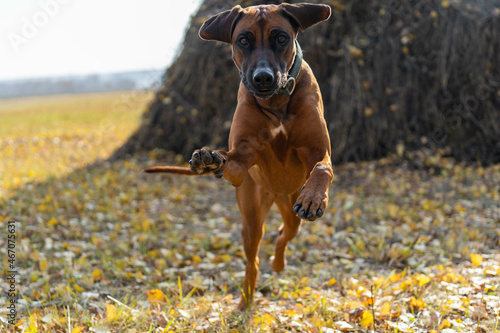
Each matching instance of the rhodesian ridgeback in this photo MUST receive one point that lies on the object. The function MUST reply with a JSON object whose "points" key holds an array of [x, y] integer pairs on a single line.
{"points": [[279, 147]]}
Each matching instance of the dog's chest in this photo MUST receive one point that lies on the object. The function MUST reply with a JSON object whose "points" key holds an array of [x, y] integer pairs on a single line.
{"points": [[279, 168], [280, 129], [279, 141]]}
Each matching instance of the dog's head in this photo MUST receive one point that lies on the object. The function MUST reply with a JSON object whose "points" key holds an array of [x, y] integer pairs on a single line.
{"points": [[263, 40]]}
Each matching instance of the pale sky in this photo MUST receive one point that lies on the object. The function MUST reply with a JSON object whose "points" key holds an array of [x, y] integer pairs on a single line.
{"points": [[40, 38]]}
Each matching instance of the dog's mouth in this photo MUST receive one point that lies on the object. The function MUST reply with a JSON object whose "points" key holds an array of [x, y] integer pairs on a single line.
{"points": [[264, 94]]}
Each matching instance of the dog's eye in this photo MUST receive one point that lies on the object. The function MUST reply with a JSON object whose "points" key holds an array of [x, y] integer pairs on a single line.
{"points": [[243, 41], [281, 39]]}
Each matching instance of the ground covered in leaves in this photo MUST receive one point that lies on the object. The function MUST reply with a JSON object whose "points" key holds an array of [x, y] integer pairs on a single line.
{"points": [[409, 243]]}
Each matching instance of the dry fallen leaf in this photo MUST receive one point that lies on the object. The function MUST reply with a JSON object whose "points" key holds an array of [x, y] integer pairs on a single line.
{"points": [[78, 288], [385, 310], [476, 259], [110, 311], [367, 319], [422, 279], [96, 275], [156, 296], [265, 320], [78, 329], [444, 324], [416, 305], [44, 265], [356, 314], [343, 326]]}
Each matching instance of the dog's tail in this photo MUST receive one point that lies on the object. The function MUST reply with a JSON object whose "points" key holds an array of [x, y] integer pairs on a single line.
{"points": [[170, 169]]}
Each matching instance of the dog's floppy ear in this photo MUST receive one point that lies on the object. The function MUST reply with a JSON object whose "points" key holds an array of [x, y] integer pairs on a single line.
{"points": [[306, 14], [221, 26]]}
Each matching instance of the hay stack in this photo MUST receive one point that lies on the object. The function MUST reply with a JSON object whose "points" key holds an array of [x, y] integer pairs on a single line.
{"points": [[394, 73]]}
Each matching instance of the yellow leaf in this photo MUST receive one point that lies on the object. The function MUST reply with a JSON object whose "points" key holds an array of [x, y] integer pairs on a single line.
{"points": [[153, 253], [385, 311], [379, 281], [96, 275], [355, 52], [161, 264], [338, 5], [445, 3], [99, 243], [459, 208], [77, 288], [351, 305], [422, 279], [156, 296], [427, 205], [332, 281], [138, 275], [367, 319], [77, 329], [406, 284], [265, 320], [226, 257], [330, 230], [476, 259], [36, 293], [110, 311], [393, 210], [268, 319], [44, 265], [395, 277], [434, 14], [444, 324], [450, 277], [146, 225], [32, 326], [416, 304]]}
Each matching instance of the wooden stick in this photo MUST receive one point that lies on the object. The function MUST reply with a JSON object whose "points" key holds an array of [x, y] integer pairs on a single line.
{"points": [[170, 169]]}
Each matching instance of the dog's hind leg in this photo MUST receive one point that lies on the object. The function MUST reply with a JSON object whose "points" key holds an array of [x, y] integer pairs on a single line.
{"points": [[254, 204], [288, 230]]}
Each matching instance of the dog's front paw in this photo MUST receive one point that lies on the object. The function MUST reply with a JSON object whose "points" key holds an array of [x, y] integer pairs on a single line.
{"points": [[310, 204], [206, 161]]}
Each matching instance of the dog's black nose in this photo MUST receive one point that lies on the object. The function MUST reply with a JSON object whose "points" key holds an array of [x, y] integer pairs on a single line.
{"points": [[263, 78]]}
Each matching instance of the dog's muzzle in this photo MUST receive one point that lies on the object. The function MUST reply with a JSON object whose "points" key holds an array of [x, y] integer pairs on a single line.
{"points": [[263, 83], [263, 79]]}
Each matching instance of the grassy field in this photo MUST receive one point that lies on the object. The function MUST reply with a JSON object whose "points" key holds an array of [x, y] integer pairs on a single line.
{"points": [[404, 246], [53, 135]]}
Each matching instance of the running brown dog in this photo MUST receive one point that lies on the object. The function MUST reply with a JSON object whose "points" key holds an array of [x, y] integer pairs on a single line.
{"points": [[279, 147]]}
